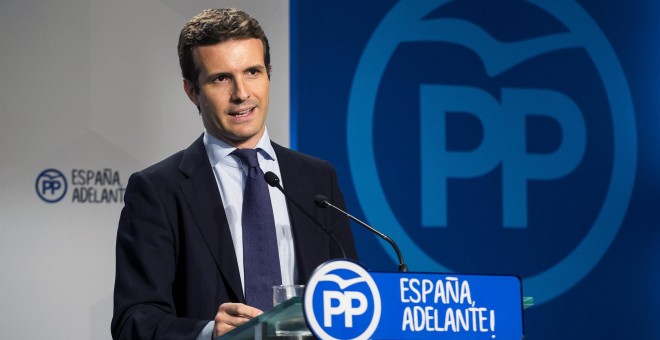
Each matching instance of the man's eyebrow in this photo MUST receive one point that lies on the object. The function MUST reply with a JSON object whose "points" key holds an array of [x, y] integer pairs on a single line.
{"points": [[229, 74], [258, 66]]}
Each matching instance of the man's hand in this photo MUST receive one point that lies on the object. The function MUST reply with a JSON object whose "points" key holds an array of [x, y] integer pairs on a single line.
{"points": [[231, 315]]}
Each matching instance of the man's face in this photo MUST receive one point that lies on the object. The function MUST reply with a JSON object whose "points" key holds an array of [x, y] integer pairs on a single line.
{"points": [[232, 93]]}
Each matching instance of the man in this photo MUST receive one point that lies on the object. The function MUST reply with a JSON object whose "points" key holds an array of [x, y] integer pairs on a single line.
{"points": [[183, 264]]}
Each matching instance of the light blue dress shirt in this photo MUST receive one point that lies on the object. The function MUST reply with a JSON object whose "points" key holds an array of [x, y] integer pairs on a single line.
{"points": [[230, 176]]}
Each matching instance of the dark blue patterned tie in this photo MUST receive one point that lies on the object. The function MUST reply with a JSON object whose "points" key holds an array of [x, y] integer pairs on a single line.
{"points": [[261, 262]]}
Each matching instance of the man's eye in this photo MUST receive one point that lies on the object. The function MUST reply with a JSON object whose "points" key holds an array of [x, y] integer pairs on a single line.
{"points": [[253, 72], [220, 79]]}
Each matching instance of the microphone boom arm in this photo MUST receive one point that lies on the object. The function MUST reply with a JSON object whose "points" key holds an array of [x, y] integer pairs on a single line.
{"points": [[323, 202], [274, 181]]}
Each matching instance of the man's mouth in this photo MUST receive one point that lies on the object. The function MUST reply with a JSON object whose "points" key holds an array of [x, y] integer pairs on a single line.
{"points": [[241, 113]]}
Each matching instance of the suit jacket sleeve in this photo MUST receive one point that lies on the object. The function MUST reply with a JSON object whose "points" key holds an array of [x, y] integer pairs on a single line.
{"points": [[144, 306]]}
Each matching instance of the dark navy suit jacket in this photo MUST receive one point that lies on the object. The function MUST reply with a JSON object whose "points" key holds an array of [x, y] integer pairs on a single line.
{"points": [[175, 257]]}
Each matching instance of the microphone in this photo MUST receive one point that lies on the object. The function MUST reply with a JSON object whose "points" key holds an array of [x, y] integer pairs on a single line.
{"points": [[323, 202], [274, 181]]}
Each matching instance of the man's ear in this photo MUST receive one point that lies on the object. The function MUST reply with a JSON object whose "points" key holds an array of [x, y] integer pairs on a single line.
{"points": [[191, 91]]}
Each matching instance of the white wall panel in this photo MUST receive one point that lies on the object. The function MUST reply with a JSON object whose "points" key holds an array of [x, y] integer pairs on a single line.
{"points": [[91, 85]]}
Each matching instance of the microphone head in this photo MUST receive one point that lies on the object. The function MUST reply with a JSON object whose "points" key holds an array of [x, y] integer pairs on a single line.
{"points": [[321, 201], [272, 179]]}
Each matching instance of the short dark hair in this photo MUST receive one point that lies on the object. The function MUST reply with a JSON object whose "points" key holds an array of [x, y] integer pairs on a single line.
{"points": [[213, 26]]}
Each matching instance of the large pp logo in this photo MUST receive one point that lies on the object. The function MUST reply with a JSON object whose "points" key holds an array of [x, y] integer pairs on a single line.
{"points": [[503, 143], [505, 114], [51, 185], [342, 301]]}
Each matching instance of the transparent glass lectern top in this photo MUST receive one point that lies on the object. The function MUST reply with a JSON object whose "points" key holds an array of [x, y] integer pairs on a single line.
{"points": [[288, 314]]}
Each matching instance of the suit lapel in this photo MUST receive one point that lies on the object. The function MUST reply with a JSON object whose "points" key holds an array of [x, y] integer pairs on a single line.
{"points": [[205, 203], [311, 250]]}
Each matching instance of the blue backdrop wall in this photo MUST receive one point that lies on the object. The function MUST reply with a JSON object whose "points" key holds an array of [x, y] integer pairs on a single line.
{"points": [[497, 137]]}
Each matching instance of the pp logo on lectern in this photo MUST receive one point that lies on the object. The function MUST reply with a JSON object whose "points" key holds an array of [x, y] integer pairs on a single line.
{"points": [[342, 301]]}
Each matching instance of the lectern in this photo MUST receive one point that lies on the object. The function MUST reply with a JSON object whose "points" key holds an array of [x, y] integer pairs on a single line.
{"points": [[342, 300]]}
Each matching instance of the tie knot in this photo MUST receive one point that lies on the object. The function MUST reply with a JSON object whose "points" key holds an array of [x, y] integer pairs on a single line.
{"points": [[247, 156]]}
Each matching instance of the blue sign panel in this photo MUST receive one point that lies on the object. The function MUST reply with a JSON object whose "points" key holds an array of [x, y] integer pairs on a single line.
{"points": [[344, 301], [496, 137]]}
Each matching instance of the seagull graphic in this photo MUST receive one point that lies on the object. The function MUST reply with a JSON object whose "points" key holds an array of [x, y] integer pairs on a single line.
{"points": [[341, 282]]}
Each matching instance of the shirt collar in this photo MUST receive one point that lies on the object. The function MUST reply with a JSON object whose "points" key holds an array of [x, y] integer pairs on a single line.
{"points": [[219, 151]]}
